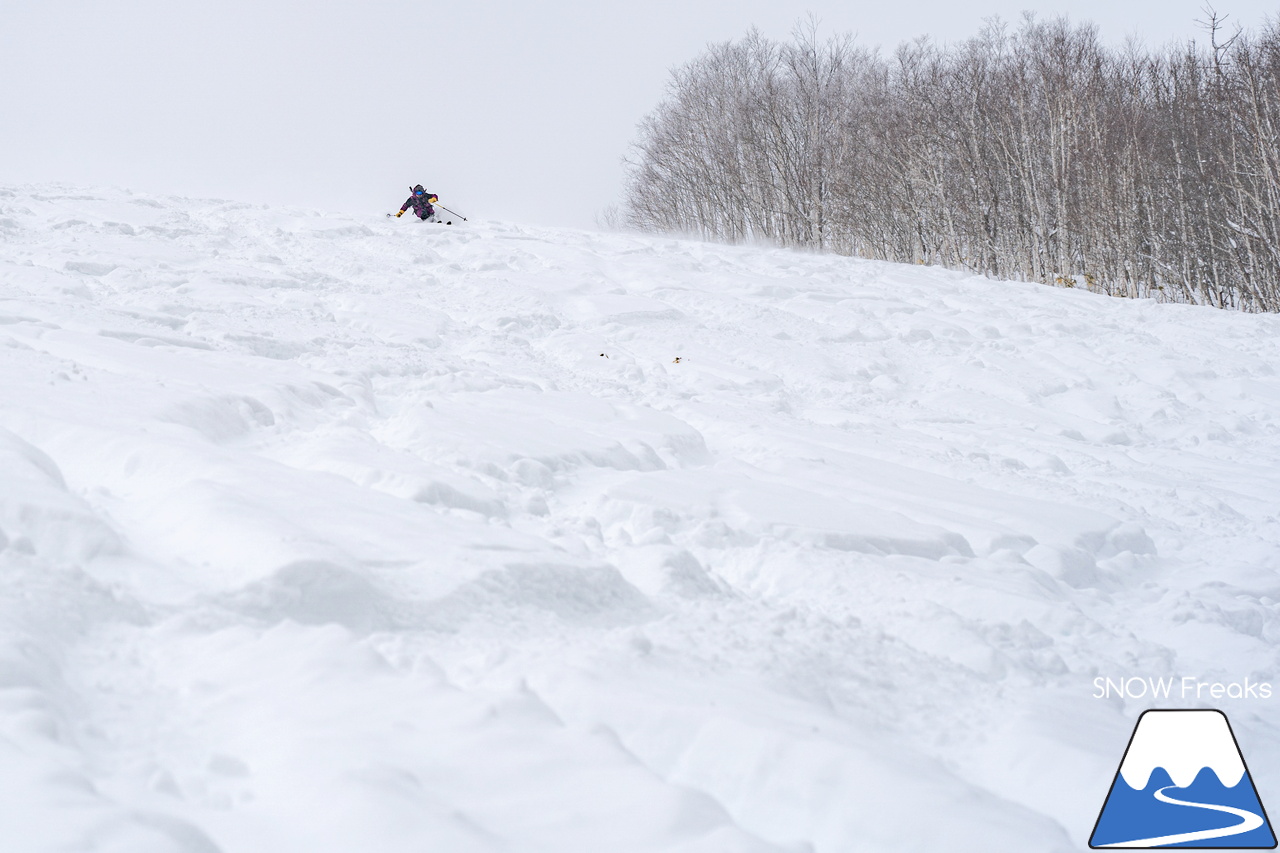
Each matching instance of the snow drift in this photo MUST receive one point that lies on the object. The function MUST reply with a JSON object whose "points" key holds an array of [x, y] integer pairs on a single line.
{"points": [[320, 532]]}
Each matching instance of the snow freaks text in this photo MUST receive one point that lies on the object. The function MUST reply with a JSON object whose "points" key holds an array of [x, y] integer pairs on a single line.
{"points": [[1186, 687]]}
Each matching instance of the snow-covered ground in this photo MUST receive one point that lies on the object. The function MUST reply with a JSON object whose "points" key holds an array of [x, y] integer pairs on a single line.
{"points": [[323, 533]]}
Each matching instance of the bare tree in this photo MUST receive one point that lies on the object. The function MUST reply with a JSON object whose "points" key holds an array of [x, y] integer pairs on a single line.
{"points": [[1032, 152]]}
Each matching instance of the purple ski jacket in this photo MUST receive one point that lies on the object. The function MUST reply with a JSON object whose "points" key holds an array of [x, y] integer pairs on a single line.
{"points": [[420, 205]]}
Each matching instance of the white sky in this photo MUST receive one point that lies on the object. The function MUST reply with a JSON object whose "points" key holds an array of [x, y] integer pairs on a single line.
{"points": [[516, 111]]}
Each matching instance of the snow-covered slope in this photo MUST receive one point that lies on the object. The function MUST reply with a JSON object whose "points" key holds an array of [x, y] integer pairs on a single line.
{"points": [[322, 533]]}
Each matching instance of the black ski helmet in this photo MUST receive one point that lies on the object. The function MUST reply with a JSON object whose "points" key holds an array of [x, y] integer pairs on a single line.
{"points": [[418, 189]]}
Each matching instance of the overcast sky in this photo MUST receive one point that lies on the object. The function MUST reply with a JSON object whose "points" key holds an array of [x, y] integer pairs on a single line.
{"points": [[514, 111]]}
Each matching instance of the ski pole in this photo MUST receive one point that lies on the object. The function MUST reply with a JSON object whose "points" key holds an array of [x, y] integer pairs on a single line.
{"points": [[454, 212]]}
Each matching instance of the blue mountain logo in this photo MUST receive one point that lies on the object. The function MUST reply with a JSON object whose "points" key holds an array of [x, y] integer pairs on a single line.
{"points": [[1183, 783]]}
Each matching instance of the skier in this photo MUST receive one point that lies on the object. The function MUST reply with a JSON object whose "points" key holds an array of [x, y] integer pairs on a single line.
{"points": [[421, 202]]}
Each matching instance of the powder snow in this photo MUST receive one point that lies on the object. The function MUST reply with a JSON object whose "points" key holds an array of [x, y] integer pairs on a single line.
{"points": [[323, 532]]}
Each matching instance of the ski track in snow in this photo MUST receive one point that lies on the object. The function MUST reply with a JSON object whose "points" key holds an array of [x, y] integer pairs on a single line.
{"points": [[326, 533]]}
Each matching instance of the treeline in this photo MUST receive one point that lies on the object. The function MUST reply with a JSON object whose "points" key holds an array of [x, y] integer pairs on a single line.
{"points": [[1035, 152]]}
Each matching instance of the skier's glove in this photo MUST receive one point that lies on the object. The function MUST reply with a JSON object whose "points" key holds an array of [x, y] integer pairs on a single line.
{"points": [[398, 215]]}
